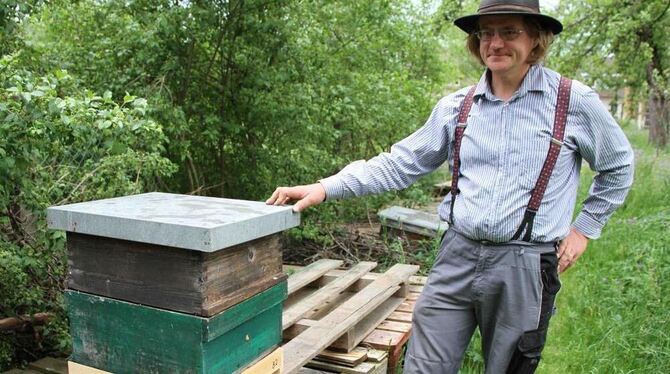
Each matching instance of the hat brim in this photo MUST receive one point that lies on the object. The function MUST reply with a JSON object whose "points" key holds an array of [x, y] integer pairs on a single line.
{"points": [[469, 23]]}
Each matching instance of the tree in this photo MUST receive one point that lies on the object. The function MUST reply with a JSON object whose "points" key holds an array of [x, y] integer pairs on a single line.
{"points": [[618, 43]]}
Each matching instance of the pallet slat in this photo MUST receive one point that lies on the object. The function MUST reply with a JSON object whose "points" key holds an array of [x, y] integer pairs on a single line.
{"points": [[310, 273], [325, 294]]}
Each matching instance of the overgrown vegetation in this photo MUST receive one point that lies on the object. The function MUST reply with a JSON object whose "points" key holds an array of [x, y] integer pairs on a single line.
{"points": [[59, 144]]}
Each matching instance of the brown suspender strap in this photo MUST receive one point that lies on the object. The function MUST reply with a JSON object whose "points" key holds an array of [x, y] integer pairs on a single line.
{"points": [[458, 136], [560, 119]]}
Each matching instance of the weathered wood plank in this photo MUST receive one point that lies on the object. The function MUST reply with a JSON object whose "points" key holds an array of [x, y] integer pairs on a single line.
{"points": [[173, 278], [49, 365], [350, 359], [413, 296], [418, 280], [309, 343], [382, 339], [363, 368], [395, 326], [376, 355], [325, 294], [415, 289], [400, 317], [270, 364], [239, 272], [310, 273], [407, 307]]}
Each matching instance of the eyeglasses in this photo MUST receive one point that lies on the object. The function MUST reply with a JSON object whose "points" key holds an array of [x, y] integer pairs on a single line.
{"points": [[507, 35]]}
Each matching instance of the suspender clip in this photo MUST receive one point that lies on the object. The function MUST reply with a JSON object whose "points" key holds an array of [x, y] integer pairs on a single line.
{"points": [[557, 142]]}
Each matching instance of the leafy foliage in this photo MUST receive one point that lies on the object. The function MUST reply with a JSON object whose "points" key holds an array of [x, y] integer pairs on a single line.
{"points": [[59, 144], [257, 93]]}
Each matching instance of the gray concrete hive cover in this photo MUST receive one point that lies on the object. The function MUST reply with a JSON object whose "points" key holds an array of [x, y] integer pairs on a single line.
{"points": [[193, 222]]}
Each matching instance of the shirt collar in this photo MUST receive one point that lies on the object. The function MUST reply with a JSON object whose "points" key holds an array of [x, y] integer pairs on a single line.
{"points": [[533, 81]]}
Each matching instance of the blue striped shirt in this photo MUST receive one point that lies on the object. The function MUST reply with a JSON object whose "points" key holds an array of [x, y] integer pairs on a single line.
{"points": [[502, 153]]}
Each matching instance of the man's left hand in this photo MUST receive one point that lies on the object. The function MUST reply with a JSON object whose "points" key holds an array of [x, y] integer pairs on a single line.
{"points": [[570, 249]]}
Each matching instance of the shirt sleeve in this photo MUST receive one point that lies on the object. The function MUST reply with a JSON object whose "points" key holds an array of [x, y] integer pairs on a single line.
{"points": [[418, 154], [604, 146]]}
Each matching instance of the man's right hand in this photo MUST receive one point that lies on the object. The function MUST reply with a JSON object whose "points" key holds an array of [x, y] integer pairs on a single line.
{"points": [[305, 196]]}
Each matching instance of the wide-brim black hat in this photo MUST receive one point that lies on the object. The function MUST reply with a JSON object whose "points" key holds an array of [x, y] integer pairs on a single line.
{"points": [[509, 7]]}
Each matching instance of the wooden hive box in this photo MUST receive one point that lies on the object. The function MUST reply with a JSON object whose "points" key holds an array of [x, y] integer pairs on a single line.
{"points": [[121, 337], [412, 223], [192, 254]]}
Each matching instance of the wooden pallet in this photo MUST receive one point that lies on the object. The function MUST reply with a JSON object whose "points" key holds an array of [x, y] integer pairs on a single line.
{"points": [[337, 311], [387, 328]]}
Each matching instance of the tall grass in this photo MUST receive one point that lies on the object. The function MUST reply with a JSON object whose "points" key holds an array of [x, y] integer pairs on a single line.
{"points": [[614, 308]]}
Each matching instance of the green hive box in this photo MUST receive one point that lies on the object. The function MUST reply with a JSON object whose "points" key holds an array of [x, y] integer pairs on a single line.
{"points": [[122, 337]]}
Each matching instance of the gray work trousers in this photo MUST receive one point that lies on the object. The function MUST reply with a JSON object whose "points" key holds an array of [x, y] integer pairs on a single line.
{"points": [[498, 287]]}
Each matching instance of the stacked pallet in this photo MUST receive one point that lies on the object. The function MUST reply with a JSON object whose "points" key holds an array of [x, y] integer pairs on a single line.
{"points": [[336, 309], [359, 361], [173, 283]]}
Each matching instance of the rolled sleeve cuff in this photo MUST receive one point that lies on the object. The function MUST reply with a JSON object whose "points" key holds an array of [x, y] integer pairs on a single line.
{"points": [[588, 226], [334, 187]]}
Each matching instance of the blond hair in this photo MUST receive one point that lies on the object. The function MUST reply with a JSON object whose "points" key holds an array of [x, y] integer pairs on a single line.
{"points": [[533, 28]]}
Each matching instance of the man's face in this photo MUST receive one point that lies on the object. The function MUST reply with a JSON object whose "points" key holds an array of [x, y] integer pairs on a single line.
{"points": [[509, 46]]}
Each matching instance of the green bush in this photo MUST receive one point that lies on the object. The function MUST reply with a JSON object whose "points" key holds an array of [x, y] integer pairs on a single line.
{"points": [[59, 144]]}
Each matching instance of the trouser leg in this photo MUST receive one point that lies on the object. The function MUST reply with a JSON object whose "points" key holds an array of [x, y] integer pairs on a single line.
{"points": [[526, 356], [443, 317], [513, 307]]}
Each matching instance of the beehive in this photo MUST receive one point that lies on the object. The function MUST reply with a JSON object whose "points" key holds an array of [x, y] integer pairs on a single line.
{"points": [[173, 283]]}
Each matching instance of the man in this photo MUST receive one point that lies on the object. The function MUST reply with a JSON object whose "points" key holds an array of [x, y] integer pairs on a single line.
{"points": [[515, 143]]}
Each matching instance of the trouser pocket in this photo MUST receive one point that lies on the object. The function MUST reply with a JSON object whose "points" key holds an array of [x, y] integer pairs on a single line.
{"points": [[528, 351]]}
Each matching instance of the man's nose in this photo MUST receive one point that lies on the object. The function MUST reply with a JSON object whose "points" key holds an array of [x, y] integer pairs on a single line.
{"points": [[497, 41]]}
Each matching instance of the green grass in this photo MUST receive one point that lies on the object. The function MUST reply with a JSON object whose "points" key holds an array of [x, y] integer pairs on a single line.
{"points": [[614, 307]]}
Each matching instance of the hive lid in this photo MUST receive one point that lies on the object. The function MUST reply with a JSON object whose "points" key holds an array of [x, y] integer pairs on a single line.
{"points": [[193, 222]]}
